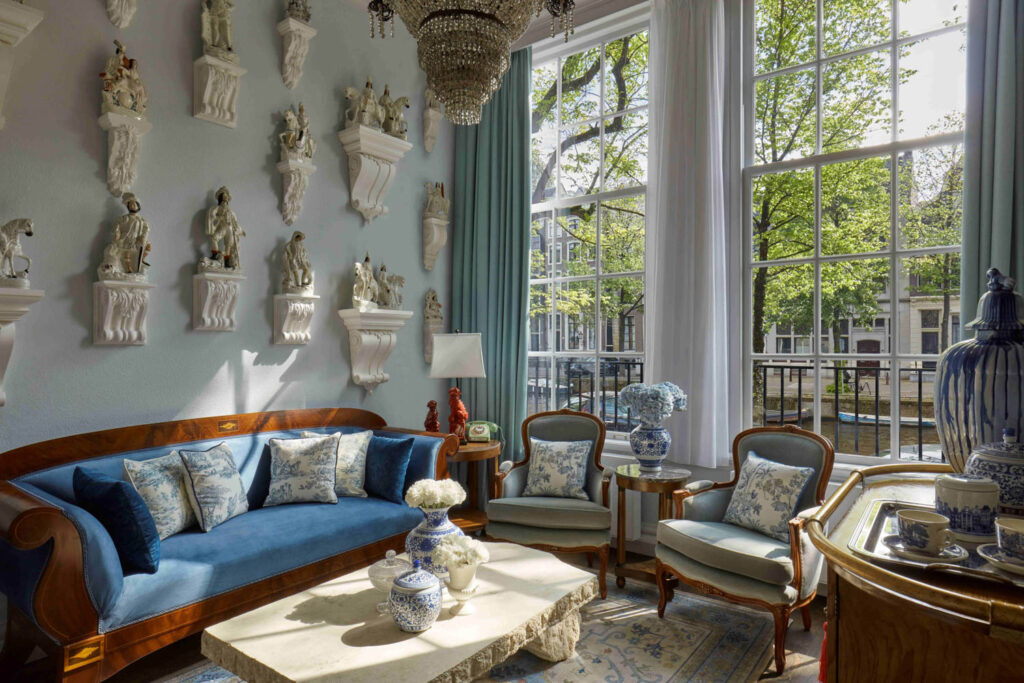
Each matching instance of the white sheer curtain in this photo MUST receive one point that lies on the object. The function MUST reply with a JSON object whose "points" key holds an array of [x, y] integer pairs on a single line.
{"points": [[687, 312]]}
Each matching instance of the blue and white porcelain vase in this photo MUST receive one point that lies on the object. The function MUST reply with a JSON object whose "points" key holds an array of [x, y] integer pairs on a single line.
{"points": [[979, 382], [651, 405], [415, 600], [422, 540], [1004, 464], [650, 444]]}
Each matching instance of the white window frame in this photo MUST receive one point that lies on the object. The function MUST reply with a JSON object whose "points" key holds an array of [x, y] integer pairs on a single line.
{"points": [[894, 253]]}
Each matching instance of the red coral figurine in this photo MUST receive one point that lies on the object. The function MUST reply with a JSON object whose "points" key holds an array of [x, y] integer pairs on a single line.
{"points": [[458, 416], [432, 423]]}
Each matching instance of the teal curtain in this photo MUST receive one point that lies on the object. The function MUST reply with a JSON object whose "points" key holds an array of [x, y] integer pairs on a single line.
{"points": [[490, 269], [993, 230]]}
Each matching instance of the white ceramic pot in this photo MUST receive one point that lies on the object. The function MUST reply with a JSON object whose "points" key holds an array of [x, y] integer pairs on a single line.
{"points": [[462, 586], [971, 503]]}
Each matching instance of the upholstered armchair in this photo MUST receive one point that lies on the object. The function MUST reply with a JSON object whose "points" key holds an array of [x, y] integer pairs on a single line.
{"points": [[736, 563], [550, 523]]}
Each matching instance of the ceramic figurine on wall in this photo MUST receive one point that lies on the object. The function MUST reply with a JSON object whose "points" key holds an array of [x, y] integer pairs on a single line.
{"points": [[216, 76], [432, 324], [294, 307], [389, 288], [432, 116], [10, 249], [363, 107], [123, 116], [435, 223], [121, 12], [215, 287], [121, 297], [433, 422], [295, 166], [16, 296], [16, 22], [394, 118], [296, 34], [364, 289]]}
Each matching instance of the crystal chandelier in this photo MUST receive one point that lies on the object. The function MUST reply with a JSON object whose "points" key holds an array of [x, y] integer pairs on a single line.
{"points": [[464, 45]]}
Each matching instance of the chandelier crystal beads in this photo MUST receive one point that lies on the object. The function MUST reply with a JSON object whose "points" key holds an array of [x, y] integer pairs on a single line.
{"points": [[464, 45]]}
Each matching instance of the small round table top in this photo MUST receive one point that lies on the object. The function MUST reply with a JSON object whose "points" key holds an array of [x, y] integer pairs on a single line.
{"points": [[476, 450], [665, 480]]}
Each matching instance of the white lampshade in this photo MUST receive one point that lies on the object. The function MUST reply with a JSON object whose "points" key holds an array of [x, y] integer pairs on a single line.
{"points": [[457, 356]]}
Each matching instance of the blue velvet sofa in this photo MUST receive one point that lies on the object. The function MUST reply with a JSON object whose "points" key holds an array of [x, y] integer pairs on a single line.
{"points": [[63, 580]]}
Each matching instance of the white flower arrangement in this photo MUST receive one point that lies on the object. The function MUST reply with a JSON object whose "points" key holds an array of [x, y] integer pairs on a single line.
{"points": [[654, 403], [435, 494], [459, 551]]}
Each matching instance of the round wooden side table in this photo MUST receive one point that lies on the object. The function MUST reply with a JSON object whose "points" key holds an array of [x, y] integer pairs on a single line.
{"points": [[663, 482], [473, 518]]}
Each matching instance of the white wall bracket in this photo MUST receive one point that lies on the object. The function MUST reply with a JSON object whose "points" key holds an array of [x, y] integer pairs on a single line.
{"points": [[16, 22], [124, 140], [119, 309], [121, 12], [372, 338], [431, 126], [430, 328], [372, 164], [295, 38], [294, 179], [215, 84], [14, 304], [214, 301], [293, 316], [435, 236]]}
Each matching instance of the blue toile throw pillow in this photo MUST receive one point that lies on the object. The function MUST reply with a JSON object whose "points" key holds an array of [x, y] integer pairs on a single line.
{"points": [[302, 470], [350, 473], [124, 515], [557, 468], [766, 496], [387, 461], [215, 487], [161, 484]]}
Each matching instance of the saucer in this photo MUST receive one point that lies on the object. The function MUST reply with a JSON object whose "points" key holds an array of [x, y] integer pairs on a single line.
{"points": [[953, 553], [1000, 558]]}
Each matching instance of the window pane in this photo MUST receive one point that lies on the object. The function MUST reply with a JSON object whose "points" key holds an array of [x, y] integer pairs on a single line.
{"points": [[616, 374], [581, 160], [855, 206], [581, 85], [622, 234], [622, 314], [625, 81], [932, 85], [857, 102], [856, 405], [917, 16], [576, 382], [784, 117], [851, 24], [783, 393], [576, 307], [854, 292], [918, 438], [785, 33], [540, 245], [574, 236], [544, 135], [931, 196], [538, 385], [783, 215], [929, 301], [540, 317], [782, 295], [625, 150]]}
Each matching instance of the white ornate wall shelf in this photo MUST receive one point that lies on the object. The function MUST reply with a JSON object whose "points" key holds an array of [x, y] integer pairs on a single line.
{"points": [[433, 324], [124, 140], [14, 304], [214, 301], [373, 159], [372, 338], [16, 22], [121, 12], [432, 116], [119, 309], [435, 236], [293, 316], [295, 38], [215, 84]]}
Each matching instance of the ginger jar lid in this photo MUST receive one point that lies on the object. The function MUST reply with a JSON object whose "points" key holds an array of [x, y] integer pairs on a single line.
{"points": [[1009, 447], [966, 482], [416, 580], [1000, 308]]}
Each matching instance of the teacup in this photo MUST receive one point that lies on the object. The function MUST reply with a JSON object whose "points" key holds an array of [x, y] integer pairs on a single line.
{"points": [[1010, 536], [926, 532]]}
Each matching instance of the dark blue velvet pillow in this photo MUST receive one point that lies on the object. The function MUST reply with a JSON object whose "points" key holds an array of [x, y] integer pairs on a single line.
{"points": [[387, 460], [121, 510]]}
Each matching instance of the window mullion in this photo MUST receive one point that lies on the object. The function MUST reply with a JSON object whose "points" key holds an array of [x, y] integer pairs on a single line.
{"points": [[895, 283]]}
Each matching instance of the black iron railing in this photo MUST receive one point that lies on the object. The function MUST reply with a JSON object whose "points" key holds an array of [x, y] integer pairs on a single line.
{"points": [[576, 385]]}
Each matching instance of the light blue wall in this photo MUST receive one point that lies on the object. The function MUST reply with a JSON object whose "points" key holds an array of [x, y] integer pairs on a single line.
{"points": [[53, 169]]}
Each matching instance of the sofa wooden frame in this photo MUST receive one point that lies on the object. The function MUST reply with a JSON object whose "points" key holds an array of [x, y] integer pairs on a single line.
{"points": [[65, 625], [665, 575]]}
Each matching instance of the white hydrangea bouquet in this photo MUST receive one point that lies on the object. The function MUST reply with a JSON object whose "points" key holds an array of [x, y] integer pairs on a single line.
{"points": [[459, 551], [435, 494], [653, 403]]}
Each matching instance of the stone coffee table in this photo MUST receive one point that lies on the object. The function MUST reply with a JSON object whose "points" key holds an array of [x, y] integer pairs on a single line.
{"points": [[526, 598]]}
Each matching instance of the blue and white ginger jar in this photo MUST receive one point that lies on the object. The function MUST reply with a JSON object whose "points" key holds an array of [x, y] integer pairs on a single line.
{"points": [[979, 382], [1004, 463], [650, 444], [415, 600], [422, 540]]}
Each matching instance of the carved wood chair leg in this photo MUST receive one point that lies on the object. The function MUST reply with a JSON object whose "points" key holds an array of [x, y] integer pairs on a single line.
{"points": [[18, 646], [805, 612], [661, 578], [781, 615], [602, 575]]}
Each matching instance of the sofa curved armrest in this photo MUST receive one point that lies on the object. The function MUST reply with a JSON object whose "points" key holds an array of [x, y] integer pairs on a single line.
{"points": [[807, 559], [60, 603], [511, 481], [703, 500]]}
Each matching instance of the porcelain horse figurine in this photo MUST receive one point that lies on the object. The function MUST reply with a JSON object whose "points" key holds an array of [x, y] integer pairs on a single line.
{"points": [[10, 247]]}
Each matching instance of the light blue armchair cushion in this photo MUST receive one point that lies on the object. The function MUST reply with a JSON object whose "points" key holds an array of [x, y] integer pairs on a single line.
{"points": [[728, 582], [708, 506], [729, 548], [558, 538], [766, 495], [551, 513]]}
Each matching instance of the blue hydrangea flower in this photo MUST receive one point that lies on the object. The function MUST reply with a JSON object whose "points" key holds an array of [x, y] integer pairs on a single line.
{"points": [[652, 404]]}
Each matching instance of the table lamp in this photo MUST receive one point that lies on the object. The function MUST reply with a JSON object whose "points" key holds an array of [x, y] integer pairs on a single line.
{"points": [[457, 356]]}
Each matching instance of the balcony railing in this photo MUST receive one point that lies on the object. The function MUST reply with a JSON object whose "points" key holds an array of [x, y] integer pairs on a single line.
{"points": [[577, 386]]}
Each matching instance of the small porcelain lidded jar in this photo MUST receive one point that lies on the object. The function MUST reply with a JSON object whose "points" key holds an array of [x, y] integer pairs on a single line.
{"points": [[415, 599], [971, 504], [1004, 463], [383, 574]]}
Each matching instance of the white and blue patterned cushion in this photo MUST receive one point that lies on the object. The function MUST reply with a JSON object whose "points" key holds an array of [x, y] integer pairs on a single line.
{"points": [[302, 470], [766, 496], [557, 468], [160, 483], [350, 475], [214, 486]]}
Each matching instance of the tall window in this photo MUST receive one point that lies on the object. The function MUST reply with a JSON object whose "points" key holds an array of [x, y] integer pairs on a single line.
{"points": [[589, 178], [854, 159]]}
